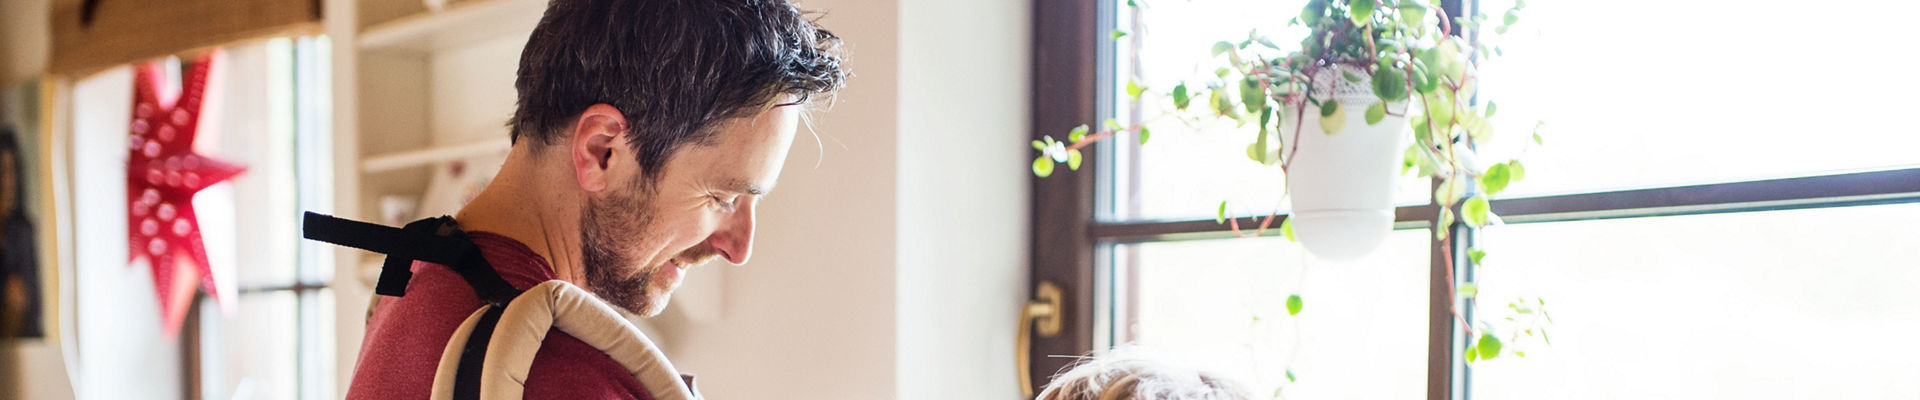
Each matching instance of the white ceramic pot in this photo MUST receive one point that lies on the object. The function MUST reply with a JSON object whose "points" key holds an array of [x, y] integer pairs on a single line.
{"points": [[1342, 184]]}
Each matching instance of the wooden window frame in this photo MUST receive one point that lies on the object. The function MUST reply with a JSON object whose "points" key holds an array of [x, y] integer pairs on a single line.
{"points": [[1072, 69]]}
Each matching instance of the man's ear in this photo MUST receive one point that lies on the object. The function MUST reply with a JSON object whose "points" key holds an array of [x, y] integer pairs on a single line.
{"points": [[595, 136]]}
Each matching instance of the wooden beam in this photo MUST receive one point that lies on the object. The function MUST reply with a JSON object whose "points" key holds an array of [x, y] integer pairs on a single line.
{"points": [[127, 31]]}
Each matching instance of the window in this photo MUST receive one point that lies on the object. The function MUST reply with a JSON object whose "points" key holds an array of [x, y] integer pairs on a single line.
{"points": [[1701, 236], [272, 337], [276, 343]]}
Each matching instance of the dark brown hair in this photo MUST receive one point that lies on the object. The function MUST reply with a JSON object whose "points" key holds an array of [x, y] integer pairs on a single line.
{"points": [[675, 69]]}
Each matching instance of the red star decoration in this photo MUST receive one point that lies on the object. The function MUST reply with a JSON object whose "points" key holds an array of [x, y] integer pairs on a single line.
{"points": [[163, 173]]}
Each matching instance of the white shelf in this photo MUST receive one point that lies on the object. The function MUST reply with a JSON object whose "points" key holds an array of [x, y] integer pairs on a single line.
{"points": [[431, 155], [458, 24]]}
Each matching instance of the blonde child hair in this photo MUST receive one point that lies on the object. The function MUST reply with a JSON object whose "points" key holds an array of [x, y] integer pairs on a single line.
{"points": [[1133, 373]]}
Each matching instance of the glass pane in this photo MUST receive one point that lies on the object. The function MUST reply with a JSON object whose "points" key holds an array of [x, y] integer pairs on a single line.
{"points": [[317, 351], [1361, 332], [1187, 169], [1692, 102], [249, 223], [1802, 304], [313, 146], [253, 352]]}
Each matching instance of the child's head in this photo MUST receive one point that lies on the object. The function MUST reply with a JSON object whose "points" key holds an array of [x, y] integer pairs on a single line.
{"points": [[1129, 373]]}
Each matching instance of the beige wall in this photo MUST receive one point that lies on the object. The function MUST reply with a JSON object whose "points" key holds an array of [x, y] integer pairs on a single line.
{"points": [[24, 39]]}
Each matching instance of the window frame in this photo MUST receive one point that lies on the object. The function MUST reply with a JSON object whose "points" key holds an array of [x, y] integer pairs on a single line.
{"points": [[1068, 240]]}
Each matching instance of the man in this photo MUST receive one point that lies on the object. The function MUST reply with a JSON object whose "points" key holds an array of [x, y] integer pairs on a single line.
{"points": [[645, 134]]}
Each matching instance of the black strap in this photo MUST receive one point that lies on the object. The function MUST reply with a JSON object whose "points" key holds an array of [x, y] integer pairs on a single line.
{"points": [[466, 380], [436, 240]]}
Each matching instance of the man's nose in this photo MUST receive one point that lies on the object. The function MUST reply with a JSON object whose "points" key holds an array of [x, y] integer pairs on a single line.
{"points": [[734, 240]]}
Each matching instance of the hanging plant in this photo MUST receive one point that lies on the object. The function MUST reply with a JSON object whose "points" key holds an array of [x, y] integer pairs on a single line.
{"points": [[1376, 89]]}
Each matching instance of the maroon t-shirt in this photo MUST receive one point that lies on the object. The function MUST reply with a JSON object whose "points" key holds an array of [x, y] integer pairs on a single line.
{"points": [[407, 334]]}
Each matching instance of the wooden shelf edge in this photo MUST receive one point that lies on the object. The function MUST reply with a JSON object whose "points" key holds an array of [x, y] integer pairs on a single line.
{"points": [[430, 155], [424, 31]]}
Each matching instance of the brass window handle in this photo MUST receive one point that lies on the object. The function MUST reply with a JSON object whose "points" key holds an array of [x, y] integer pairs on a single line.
{"points": [[1044, 312]]}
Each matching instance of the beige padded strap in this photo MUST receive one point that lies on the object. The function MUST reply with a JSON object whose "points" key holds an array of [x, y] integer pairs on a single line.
{"points": [[560, 305], [450, 358]]}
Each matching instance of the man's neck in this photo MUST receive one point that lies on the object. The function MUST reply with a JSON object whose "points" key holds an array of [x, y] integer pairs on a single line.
{"points": [[523, 204]]}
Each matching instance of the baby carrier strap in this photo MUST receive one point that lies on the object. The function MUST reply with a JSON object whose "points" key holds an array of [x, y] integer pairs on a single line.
{"points": [[437, 240]]}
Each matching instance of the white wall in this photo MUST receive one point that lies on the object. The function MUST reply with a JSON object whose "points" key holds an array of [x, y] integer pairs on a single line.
{"points": [[894, 267], [963, 196]]}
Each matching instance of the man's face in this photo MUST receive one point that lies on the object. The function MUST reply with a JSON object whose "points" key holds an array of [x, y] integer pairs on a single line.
{"points": [[637, 242]]}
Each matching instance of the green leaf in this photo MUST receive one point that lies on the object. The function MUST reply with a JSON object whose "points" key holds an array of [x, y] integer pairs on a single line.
{"points": [[1333, 117], [1476, 255], [1180, 99], [1491, 108], [1222, 71], [1042, 167], [1290, 377], [1495, 179], [1446, 217], [1420, 131], [1512, 17], [1489, 346], [1313, 11], [1117, 34], [1375, 113], [1220, 217], [1390, 85], [1073, 159], [1131, 3], [1413, 14], [1286, 229], [1113, 125], [1518, 171], [1361, 11], [1350, 76], [1440, 109], [1468, 290], [1293, 305], [1472, 354], [1423, 81], [1410, 159], [1039, 145], [1221, 105], [1520, 354], [1222, 47], [1253, 96], [1078, 132], [1134, 89], [1475, 212], [1144, 134], [1256, 152]]}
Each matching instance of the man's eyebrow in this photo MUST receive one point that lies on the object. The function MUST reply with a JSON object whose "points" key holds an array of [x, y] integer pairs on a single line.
{"points": [[741, 186]]}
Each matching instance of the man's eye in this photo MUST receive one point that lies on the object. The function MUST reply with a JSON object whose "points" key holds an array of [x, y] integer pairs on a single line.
{"points": [[725, 202]]}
